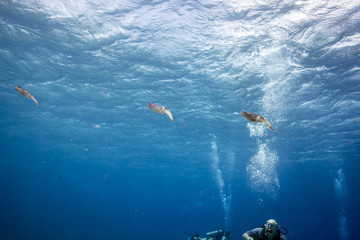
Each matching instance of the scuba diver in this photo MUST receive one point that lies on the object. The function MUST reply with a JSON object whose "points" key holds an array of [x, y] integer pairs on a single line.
{"points": [[269, 231], [214, 235]]}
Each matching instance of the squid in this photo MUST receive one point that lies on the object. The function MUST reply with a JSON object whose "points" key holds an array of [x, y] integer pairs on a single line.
{"points": [[253, 117], [160, 109], [25, 93]]}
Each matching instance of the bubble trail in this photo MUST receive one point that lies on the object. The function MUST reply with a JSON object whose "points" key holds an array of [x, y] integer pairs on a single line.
{"points": [[341, 195], [225, 198], [342, 224]]}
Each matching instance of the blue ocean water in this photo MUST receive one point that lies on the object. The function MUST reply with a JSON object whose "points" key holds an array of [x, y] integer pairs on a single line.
{"points": [[94, 162]]}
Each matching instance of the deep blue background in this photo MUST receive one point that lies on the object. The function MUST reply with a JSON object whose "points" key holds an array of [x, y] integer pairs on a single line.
{"points": [[93, 162]]}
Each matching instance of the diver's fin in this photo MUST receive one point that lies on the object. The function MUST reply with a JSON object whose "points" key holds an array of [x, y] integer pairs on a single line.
{"points": [[32, 97]]}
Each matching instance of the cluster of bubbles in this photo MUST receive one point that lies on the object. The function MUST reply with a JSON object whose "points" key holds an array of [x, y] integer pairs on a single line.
{"points": [[262, 171]]}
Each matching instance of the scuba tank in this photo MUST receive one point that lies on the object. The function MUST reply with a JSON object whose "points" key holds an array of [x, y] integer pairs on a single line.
{"points": [[214, 234], [218, 235]]}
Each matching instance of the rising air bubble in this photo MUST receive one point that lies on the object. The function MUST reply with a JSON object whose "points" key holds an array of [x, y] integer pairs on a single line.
{"points": [[340, 187], [262, 171], [225, 197], [256, 130], [341, 195], [342, 225]]}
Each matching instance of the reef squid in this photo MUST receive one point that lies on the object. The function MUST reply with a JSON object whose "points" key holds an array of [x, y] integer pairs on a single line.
{"points": [[253, 117], [25, 93], [160, 109]]}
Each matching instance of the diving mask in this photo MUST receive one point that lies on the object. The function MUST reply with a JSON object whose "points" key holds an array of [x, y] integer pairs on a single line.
{"points": [[270, 227]]}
